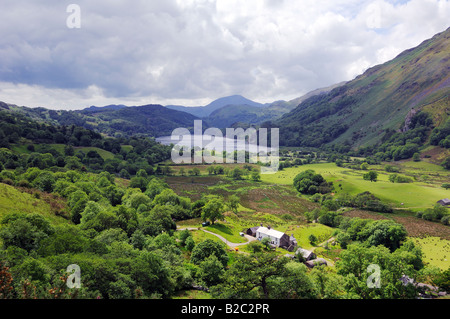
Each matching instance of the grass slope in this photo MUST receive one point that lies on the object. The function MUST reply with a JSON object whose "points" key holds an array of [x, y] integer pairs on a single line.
{"points": [[417, 195], [13, 200]]}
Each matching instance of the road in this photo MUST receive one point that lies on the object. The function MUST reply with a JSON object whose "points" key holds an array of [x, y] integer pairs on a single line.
{"points": [[229, 244]]}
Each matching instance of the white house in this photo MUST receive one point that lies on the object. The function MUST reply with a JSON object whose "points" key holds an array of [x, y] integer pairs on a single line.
{"points": [[277, 238]]}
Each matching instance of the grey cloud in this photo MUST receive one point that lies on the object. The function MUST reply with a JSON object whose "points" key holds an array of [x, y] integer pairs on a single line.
{"points": [[203, 49]]}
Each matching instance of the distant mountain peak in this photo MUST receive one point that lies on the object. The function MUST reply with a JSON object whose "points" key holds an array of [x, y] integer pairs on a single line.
{"points": [[205, 111]]}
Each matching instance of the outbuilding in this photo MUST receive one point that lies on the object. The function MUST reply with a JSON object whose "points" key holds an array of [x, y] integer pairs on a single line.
{"points": [[307, 255], [444, 202], [315, 262]]}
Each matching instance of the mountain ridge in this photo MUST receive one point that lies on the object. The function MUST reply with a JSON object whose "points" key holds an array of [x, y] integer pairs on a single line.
{"points": [[361, 111]]}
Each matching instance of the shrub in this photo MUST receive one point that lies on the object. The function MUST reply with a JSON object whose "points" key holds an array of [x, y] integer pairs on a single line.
{"points": [[445, 220]]}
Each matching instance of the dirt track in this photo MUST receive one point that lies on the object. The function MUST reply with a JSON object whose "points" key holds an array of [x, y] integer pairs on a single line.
{"points": [[228, 243]]}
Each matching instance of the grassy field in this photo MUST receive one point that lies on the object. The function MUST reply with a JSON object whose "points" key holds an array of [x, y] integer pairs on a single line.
{"points": [[436, 251], [275, 202], [12, 200], [416, 195]]}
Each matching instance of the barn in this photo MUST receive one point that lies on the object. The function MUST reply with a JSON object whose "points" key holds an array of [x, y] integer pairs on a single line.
{"points": [[315, 262], [307, 255], [444, 202]]}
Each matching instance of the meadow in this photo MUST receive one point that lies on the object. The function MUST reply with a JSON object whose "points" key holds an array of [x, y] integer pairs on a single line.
{"points": [[275, 202], [415, 196], [436, 251]]}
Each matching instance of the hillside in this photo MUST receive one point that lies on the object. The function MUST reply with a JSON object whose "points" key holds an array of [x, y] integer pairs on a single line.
{"points": [[360, 112], [205, 111], [149, 120], [112, 120]]}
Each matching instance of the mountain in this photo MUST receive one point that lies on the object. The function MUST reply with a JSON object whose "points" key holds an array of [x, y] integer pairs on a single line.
{"points": [[149, 120], [362, 111], [228, 115], [95, 109], [113, 120], [246, 112], [205, 111]]}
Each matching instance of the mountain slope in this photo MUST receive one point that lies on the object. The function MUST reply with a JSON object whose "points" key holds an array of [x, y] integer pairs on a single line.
{"points": [[113, 120], [360, 111], [205, 111], [149, 120], [230, 114], [255, 113]]}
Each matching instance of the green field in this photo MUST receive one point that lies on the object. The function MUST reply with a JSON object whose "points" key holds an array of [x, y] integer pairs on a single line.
{"points": [[13, 200], [436, 251], [22, 149], [416, 195]]}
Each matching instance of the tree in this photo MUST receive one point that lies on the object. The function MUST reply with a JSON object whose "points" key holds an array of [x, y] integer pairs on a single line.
{"points": [[237, 173], [206, 248], [265, 242], [383, 232], [155, 187], [310, 183], [25, 231], [312, 239], [182, 205], [256, 176], [357, 264], [45, 182], [159, 220], [66, 239], [69, 150], [250, 276], [233, 203], [416, 157], [292, 282], [183, 236], [371, 176], [139, 182], [211, 270], [150, 272], [443, 280], [446, 185], [213, 210]]}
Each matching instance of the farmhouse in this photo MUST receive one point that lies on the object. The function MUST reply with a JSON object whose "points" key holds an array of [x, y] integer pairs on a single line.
{"points": [[277, 238], [444, 202]]}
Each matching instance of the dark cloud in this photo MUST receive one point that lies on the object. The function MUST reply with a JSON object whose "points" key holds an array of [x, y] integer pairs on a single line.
{"points": [[191, 51]]}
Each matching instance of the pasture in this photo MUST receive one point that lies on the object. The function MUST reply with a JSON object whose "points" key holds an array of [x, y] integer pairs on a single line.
{"points": [[417, 195]]}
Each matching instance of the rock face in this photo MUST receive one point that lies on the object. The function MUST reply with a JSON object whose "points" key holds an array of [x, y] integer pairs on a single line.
{"points": [[408, 118]]}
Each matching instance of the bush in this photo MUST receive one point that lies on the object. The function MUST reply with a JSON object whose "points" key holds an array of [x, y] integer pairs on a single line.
{"points": [[308, 182], [395, 178], [313, 239]]}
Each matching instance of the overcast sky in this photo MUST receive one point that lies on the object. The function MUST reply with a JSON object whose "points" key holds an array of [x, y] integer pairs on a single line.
{"points": [[191, 52]]}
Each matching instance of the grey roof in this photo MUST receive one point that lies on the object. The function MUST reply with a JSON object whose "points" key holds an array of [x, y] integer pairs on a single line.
{"points": [[305, 253], [318, 261]]}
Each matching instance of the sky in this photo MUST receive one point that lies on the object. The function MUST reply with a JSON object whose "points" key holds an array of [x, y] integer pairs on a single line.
{"points": [[191, 52]]}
